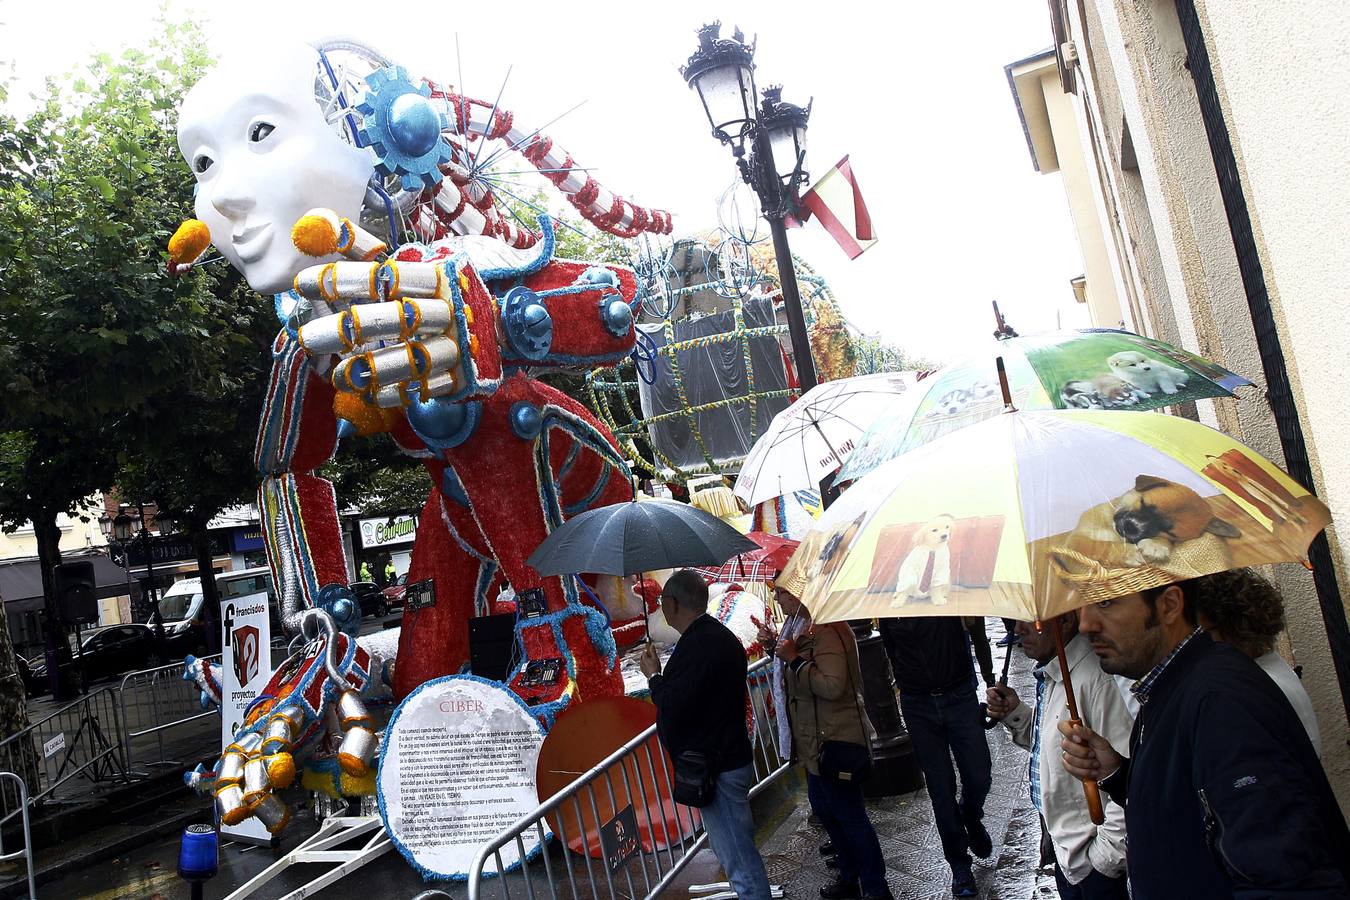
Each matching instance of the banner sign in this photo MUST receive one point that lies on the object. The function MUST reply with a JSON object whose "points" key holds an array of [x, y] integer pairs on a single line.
{"points": [[245, 669], [164, 549], [458, 766], [619, 837], [386, 531]]}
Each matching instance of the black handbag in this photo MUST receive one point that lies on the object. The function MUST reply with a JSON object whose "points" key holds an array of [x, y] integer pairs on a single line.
{"points": [[695, 783], [844, 761]]}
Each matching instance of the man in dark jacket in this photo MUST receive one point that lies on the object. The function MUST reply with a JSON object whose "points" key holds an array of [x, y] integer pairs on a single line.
{"points": [[1223, 793], [700, 705], [930, 657]]}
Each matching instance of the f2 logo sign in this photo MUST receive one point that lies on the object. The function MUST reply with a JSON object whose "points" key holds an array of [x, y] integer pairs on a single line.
{"points": [[246, 653]]}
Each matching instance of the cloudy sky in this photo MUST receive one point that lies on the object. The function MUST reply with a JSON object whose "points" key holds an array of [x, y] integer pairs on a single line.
{"points": [[914, 93]]}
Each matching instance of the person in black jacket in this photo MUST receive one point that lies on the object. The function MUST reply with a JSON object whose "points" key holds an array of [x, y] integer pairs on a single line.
{"points": [[1223, 793], [700, 705], [930, 656]]}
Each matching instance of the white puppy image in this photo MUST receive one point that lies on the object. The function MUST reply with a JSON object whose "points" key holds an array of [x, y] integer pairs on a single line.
{"points": [[926, 572], [1148, 376]]}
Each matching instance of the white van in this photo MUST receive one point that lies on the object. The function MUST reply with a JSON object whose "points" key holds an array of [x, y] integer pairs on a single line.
{"points": [[181, 604]]}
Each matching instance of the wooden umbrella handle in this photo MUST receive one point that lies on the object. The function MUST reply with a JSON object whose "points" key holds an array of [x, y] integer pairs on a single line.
{"points": [[1090, 789], [1092, 792]]}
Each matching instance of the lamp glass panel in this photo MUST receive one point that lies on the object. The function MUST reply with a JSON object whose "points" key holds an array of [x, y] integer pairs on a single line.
{"points": [[727, 93]]}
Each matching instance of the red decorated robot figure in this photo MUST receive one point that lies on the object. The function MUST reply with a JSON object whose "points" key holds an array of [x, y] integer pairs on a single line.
{"points": [[413, 304]]}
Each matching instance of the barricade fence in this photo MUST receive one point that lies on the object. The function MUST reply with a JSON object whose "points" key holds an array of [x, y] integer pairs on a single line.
{"points": [[156, 704], [580, 864], [25, 853], [62, 755]]}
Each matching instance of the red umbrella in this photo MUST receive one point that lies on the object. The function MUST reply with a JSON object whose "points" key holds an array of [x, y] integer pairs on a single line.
{"points": [[754, 565]]}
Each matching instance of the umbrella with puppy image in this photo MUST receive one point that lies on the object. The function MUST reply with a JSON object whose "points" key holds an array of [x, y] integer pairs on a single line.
{"points": [[1036, 513], [1095, 369]]}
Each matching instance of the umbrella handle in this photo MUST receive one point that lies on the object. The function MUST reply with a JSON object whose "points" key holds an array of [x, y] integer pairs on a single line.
{"points": [[1092, 792]]}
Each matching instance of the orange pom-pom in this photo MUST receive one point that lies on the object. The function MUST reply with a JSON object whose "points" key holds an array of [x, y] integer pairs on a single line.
{"points": [[367, 417], [280, 770], [352, 765], [316, 234], [189, 241]]}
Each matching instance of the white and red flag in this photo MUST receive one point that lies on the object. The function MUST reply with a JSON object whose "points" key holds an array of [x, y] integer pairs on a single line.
{"points": [[837, 202]]}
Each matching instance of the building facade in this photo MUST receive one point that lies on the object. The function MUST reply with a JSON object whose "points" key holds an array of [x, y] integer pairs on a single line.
{"points": [[1205, 147]]}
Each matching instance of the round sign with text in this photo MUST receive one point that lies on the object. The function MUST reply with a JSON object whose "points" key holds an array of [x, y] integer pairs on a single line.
{"points": [[457, 768]]}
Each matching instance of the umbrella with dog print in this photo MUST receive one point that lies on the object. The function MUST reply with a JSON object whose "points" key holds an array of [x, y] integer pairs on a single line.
{"points": [[1089, 369], [1032, 514]]}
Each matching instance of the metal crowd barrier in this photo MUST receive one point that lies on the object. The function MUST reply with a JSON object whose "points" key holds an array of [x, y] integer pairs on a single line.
{"points": [[626, 777], [81, 740], [155, 701], [26, 852]]}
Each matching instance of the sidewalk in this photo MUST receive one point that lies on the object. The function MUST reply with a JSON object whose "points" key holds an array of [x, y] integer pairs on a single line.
{"points": [[909, 839]]}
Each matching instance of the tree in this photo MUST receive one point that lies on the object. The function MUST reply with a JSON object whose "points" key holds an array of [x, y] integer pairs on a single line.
{"points": [[96, 334]]}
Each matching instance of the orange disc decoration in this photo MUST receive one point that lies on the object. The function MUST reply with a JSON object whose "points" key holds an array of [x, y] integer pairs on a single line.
{"points": [[583, 736]]}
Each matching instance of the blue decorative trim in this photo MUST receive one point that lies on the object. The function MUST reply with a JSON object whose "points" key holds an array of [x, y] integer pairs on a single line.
{"points": [[453, 489], [428, 874], [527, 323]]}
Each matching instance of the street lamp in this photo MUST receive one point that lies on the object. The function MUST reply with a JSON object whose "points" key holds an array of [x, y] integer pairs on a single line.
{"points": [[722, 72], [119, 529]]}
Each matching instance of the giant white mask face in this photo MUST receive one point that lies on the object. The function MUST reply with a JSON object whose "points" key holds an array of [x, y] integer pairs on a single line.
{"points": [[253, 133]]}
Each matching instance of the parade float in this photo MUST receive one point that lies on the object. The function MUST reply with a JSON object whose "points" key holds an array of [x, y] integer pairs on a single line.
{"points": [[411, 303]]}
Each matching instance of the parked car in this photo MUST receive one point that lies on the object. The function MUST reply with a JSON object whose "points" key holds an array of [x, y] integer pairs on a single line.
{"points": [[108, 652], [369, 596], [181, 606], [393, 595]]}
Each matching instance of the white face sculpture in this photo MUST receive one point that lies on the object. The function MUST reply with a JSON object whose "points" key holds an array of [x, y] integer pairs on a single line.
{"points": [[253, 133]]}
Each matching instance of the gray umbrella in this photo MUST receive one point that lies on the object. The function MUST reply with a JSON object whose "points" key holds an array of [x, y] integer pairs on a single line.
{"points": [[630, 538]]}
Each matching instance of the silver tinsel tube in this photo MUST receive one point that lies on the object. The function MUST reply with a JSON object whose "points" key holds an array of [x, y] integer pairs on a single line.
{"points": [[273, 813], [351, 711], [357, 750], [256, 781], [231, 768], [230, 802]]}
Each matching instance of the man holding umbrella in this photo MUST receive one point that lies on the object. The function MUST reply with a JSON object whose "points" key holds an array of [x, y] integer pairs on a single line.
{"points": [[700, 709], [1089, 859], [1223, 793]]}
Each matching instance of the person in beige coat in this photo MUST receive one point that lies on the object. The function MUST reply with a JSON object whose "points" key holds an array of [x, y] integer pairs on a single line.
{"points": [[832, 739]]}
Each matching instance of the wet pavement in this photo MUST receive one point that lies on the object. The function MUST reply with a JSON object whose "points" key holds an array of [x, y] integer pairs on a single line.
{"points": [[916, 868]]}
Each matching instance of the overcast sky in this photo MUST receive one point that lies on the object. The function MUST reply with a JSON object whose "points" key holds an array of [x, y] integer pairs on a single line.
{"points": [[914, 93]]}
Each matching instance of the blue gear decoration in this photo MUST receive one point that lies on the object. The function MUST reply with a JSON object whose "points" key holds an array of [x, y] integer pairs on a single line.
{"points": [[616, 315], [527, 323], [404, 129]]}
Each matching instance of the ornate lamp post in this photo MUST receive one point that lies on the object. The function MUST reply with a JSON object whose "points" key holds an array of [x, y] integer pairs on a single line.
{"points": [[722, 72], [119, 529]]}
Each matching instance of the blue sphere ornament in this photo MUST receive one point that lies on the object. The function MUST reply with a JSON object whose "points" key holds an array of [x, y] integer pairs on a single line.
{"points": [[442, 423], [527, 323], [616, 315], [414, 124], [526, 420], [338, 601], [403, 127]]}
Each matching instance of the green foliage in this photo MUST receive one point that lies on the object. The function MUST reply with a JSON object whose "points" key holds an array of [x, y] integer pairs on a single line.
{"points": [[373, 476], [112, 370], [874, 355]]}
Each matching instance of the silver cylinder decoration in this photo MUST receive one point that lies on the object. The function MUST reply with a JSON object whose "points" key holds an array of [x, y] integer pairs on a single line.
{"points": [[273, 813], [231, 768], [351, 711], [326, 334], [357, 750], [256, 781], [230, 802]]}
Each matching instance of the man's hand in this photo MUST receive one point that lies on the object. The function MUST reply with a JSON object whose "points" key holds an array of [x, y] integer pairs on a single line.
{"points": [[648, 661], [1087, 755], [766, 635], [787, 650], [1001, 701]]}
